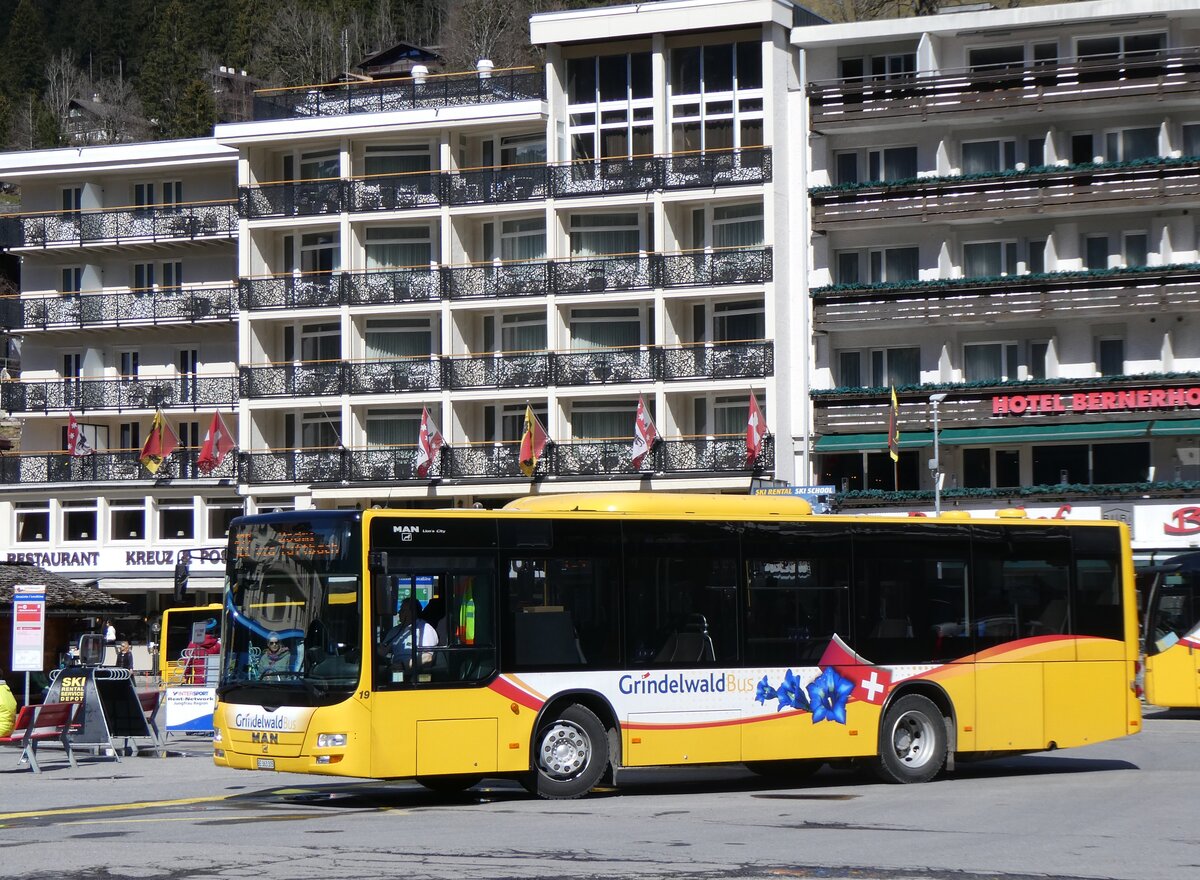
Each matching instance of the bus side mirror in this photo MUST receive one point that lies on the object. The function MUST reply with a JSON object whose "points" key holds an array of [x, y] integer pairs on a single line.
{"points": [[383, 588]]}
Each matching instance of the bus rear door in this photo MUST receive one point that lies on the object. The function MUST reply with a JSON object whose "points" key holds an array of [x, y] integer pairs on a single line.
{"points": [[1172, 636]]}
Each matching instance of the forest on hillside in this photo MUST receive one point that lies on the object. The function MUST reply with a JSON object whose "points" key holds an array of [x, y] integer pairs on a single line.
{"points": [[145, 67]]}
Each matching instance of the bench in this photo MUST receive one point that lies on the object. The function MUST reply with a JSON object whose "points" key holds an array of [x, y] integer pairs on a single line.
{"points": [[149, 702], [36, 724]]}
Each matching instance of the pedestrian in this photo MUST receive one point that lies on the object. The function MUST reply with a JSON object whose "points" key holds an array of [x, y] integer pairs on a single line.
{"points": [[110, 633], [8, 707], [124, 656]]}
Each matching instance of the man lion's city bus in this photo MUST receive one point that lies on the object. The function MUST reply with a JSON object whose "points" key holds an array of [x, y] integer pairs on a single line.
{"points": [[564, 638], [1172, 633]]}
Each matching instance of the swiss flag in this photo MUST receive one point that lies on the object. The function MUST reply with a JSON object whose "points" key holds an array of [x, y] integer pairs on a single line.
{"points": [[217, 444], [756, 431], [645, 435], [871, 683], [429, 443]]}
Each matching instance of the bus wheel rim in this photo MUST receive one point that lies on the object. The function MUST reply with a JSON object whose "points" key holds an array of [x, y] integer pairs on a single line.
{"points": [[912, 739], [564, 751]]}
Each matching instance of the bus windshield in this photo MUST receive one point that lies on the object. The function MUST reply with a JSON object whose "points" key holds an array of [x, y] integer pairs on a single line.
{"points": [[293, 598]]}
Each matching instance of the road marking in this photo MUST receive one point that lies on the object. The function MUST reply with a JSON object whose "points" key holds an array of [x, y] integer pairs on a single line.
{"points": [[111, 808]]}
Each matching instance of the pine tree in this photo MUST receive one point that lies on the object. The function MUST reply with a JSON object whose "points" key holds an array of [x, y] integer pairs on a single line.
{"points": [[170, 66], [25, 51], [196, 111]]}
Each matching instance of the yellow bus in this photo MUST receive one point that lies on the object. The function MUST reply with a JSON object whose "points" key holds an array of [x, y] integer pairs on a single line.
{"points": [[177, 633], [1172, 633], [564, 638]]}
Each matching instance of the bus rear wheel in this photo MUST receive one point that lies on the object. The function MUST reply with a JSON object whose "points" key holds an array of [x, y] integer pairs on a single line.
{"points": [[912, 741], [449, 784], [570, 755]]}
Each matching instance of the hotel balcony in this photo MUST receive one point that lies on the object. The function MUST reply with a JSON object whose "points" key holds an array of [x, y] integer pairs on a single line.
{"points": [[987, 406], [121, 466], [1009, 195], [506, 184], [578, 275], [499, 461], [129, 225], [95, 395], [1104, 294], [157, 305], [540, 369], [846, 104], [383, 96]]}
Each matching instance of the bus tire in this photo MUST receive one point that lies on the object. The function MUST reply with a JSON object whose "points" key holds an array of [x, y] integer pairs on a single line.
{"points": [[912, 741], [570, 755], [785, 771], [449, 784]]}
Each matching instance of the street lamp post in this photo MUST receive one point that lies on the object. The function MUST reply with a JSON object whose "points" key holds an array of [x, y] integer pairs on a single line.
{"points": [[935, 463]]}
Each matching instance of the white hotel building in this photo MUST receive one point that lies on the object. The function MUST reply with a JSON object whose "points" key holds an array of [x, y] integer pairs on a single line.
{"points": [[693, 201]]}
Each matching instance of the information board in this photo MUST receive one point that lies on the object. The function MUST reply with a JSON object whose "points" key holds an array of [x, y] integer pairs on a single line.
{"points": [[29, 628]]}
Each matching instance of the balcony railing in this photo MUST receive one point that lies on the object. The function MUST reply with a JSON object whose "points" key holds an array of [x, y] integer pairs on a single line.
{"points": [[121, 466], [495, 461], [1150, 75], [383, 96], [970, 404], [579, 275], [159, 305], [193, 220], [84, 395], [1010, 298], [539, 369], [1042, 190], [507, 183]]}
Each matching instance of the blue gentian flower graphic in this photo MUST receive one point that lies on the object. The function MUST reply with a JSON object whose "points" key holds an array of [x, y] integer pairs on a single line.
{"points": [[791, 693], [765, 691], [828, 694]]}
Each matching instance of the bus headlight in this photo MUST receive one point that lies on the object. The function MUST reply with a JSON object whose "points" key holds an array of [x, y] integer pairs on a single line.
{"points": [[331, 740], [216, 736]]}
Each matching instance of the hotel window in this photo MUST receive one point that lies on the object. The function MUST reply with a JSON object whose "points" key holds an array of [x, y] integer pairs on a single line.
{"points": [[72, 279], [172, 193], [595, 235], [879, 67], [739, 321], [716, 97], [72, 199], [131, 435], [1039, 359], [520, 149], [606, 328], [872, 470], [885, 265], [508, 422], [172, 276], [1091, 464], [519, 332], [983, 157], [1037, 255], [318, 251], [602, 419], [888, 163], [143, 195], [990, 361], [323, 165], [850, 369], [737, 226], [398, 247], [394, 427], [127, 520], [394, 159], [318, 430], [1035, 152], [895, 366], [1135, 248], [1110, 356], [991, 58], [728, 414], [221, 512], [176, 519], [128, 363], [1129, 144], [991, 468], [522, 239], [80, 520], [320, 342], [610, 106], [398, 337], [33, 522], [1131, 46], [1095, 252], [1191, 140], [989, 259], [143, 276]]}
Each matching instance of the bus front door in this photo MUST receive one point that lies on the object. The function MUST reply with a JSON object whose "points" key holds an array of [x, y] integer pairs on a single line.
{"points": [[1172, 645]]}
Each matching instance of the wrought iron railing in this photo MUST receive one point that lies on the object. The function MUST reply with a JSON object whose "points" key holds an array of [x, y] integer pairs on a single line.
{"points": [[121, 466], [507, 183], [520, 370], [707, 268], [146, 306], [83, 395], [193, 220], [312, 379], [382, 96], [605, 366], [719, 360]]}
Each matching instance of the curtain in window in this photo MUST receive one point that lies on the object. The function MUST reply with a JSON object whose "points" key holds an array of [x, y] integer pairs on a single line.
{"points": [[604, 234], [730, 415], [981, 157], [982, 259], [981, 363], [399, 162], [398, 246], [398, 340], [903, 366], [320, 429], [523, 239], [737, 226], [524, 337], [597, 424], [735, 327], [605, 334], [393, 427]]}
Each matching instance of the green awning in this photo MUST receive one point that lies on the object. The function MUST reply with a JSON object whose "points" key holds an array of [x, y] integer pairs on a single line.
{"points": [[1043, 433], [871, 442], [1176, 428]]}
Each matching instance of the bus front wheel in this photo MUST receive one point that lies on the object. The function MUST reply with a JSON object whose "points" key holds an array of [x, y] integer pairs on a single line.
{"points": [[570, 755], [912, 741]]}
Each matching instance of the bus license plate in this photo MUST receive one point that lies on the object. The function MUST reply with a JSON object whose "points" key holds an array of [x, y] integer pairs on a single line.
{"points": [[266, 763]]}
